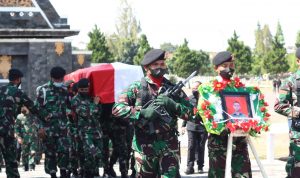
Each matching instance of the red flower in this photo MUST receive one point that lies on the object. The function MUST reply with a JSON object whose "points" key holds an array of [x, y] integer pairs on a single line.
{"points": [[256, 88], [266, 119], [245, 126], [258, 128], [267, 115], [263, 109], [205, 104], [266, 104], [261, 96], [218, 86], [207, 114], [195, 110], [238, 83], [214, 125], [230, 126], [266, 128]]}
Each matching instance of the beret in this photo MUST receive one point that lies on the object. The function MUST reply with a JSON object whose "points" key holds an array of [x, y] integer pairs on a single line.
{"points": [[57, 72], [153, 55], [222, 57], [298, 53], [14, 74], [83, 83]]}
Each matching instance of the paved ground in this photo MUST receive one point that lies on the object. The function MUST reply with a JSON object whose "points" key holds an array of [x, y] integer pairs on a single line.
{"points": [[274, 169]]}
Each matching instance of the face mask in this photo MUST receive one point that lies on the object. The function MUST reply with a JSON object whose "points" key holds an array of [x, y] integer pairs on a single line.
{"points": [[84, 94], [195, 93], [227, 73], [58, 84], [158, 72]]}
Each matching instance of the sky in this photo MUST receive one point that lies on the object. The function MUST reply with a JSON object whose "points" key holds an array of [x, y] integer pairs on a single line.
{"points": [[206, 24]]}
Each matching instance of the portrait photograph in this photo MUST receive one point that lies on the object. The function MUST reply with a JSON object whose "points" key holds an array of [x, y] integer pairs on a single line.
{"points": [[236, 105]]}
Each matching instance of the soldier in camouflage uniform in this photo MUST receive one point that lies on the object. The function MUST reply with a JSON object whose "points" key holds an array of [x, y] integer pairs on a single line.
{"points": [[26, 134], [155, 141], [11, 101], [287, 104], [120, 149], [217, 144], [53, 97], [87, 111]]}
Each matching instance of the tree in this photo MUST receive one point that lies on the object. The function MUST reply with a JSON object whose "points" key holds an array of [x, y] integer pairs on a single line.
{"points": [[276, 61], [97, 44], [143, 48], [186, 61], [297, 44], [168, 47], [127, 29], [242, 55]]}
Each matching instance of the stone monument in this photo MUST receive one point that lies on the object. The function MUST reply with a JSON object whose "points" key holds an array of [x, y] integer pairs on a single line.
{"points": [[32, 39]]}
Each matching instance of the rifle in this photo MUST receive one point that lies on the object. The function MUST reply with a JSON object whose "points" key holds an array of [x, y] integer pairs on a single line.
{"points": [[171, 92]]}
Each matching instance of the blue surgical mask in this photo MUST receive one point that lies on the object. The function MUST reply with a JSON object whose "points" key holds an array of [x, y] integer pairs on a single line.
{"points": [[58, 84]]}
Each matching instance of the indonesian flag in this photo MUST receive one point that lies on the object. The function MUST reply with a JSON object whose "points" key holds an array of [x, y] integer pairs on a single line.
{"points": [[108, 80]]}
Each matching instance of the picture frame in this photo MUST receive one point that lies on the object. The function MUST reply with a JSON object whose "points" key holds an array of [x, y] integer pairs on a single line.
{"points": [[236, 106]]}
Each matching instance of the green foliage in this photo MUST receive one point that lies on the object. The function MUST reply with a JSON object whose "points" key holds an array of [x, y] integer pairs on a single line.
{"points": [[143, 47], [276, 61], [97, 44], [242, 55], [291, 59], [124, 43], [186, 61], [173, 79], [297, 44], [168, 47]]}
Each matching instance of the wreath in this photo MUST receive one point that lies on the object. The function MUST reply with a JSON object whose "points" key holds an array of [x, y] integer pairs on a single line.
{"points": [[212, 113]]}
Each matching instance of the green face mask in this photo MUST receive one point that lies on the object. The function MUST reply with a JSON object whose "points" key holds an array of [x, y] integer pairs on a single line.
{"points": [[158, 72]]}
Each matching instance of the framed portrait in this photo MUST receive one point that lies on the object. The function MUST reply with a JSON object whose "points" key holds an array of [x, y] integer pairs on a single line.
{"points": [[236, 105]]}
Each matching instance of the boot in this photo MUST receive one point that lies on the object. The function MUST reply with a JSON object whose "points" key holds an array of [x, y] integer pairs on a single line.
{"points": [[124, 175], [53, 175], [26, 167], [133, 173], [200, 170], [88, 174], [32, 167], [112, 172], [189, 170], [105, 174], [63, 173]]}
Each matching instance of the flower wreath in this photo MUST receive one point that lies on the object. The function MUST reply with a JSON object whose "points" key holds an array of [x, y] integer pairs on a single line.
{"points": [[211, 111]]}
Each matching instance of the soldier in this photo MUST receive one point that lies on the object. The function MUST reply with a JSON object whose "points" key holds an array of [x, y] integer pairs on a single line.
{"points": [[53, 97], [87, 111], [155, 141], [197, 135], [26, 134], [11, 101], [287, 104], [217, 144]]}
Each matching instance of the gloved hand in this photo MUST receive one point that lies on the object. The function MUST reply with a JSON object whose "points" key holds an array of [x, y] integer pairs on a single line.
{"points": [[295, 113], [149, 113], [170, 105]]}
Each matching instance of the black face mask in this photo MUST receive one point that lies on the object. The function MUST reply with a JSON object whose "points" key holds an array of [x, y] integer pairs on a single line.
{"points": [[158, 72], [195, 93], [227, 73], [84, 94]]}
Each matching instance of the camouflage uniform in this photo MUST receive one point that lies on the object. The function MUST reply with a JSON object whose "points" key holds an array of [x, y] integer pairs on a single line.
{"points": [[283, 105], [26, 129], [11, 101], [217, 149], [87, 114], [57, 142], [120, 148], [156, 154]]}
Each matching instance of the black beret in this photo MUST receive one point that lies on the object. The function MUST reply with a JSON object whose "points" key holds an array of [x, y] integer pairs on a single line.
{"points": [[153, 55], [57, 72], [83, 83], [298, 53], [14, 74], [222, 57]]}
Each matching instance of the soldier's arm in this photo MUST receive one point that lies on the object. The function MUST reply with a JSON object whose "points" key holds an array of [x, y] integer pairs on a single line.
{"points": [[43, 114], [126, 107], [283, 101], [185, 109], [18, 127]]}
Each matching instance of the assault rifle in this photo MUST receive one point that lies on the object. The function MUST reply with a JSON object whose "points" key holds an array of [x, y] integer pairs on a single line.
{"points": [[172, 92]]}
